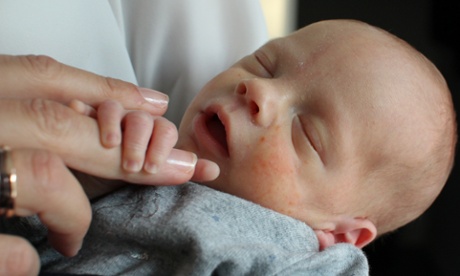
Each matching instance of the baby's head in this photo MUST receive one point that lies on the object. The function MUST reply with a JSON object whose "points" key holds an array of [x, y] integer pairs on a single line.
{"points": [[340, 125]]}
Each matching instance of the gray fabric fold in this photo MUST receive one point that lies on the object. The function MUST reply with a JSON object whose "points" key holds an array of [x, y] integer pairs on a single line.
{"points": [[194, 230]]}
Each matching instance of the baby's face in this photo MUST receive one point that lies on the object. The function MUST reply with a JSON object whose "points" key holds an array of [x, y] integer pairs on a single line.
{"points": [[291, 126]]}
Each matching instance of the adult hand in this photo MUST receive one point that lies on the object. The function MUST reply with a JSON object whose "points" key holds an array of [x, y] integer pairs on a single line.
{"points": [[47, 137], [46, 188], [74, 137], [29, 77]]}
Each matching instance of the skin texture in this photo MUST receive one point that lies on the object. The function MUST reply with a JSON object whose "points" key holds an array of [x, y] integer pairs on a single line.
{"points": [[46, 138], [307, 118], [330, 125]]}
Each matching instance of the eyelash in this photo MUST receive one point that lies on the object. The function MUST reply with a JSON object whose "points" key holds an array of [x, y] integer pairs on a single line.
{"points": [[300, 135], [306, 135], [260, 57]]}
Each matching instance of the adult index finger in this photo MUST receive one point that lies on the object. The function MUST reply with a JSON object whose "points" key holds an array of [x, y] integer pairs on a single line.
{"points": [[48, 125], [27, 77]]}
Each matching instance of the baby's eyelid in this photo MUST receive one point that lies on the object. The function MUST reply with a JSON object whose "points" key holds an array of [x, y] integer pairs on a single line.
{"points": [[264, 61], [312, 136]]}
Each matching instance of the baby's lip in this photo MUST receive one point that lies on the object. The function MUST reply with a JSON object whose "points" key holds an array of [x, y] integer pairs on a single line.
{"points": [[210, 129], [217, 130]]}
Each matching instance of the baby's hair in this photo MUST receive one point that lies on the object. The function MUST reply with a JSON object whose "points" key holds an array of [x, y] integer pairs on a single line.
{"points": [[411, 185]]}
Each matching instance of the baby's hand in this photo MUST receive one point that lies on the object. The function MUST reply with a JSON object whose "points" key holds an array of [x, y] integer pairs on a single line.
{"points": [[146, 140]]}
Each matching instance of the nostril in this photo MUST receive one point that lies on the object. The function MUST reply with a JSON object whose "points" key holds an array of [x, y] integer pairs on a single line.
{"points": [[253, 108], [241, 89]]}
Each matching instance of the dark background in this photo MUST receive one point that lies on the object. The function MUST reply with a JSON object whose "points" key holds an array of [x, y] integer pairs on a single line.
{"points": [[431, 244]]}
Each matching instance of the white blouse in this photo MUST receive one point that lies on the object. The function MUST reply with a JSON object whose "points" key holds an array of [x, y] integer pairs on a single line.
{"points": [[174, 46]]}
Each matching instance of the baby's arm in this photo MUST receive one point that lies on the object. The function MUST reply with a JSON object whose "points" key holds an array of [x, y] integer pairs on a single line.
{"points": [[146, 140]]}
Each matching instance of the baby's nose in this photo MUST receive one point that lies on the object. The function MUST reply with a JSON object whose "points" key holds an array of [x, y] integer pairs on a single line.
{"points": [[261, 101]]}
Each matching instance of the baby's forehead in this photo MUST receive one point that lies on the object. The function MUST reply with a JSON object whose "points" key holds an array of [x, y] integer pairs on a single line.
{"points": [[348, 36], [330, 29], [381, 66]]}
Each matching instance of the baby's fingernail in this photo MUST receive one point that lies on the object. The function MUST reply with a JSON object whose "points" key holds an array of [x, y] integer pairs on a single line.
{"points": [[151, 168], [132, 166], [111, 140], [182, 160], [154, 97]]}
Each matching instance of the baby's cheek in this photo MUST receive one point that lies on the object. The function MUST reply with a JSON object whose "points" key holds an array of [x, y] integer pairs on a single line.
{"points": [[272, 158], [272, 164], [274, 168]]}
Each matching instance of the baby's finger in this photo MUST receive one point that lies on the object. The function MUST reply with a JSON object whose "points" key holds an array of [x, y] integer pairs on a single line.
{"points": [[82, 108], [138, 127], [164, 137], [109, 116]]}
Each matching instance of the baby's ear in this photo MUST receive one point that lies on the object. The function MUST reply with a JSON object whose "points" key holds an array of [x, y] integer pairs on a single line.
{"points": [[357, 231]]}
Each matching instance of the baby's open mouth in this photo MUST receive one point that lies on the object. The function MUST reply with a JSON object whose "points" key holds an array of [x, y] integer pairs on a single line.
{"points": [[217, 131]]}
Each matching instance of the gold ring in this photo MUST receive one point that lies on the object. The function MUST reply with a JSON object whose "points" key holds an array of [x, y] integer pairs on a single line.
{"points": [[8, 191]]}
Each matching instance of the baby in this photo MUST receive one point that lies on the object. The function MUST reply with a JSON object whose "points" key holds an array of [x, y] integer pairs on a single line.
{"points": [[340, 125]]}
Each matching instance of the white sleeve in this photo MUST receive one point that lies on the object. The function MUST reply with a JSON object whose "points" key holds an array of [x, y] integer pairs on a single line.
{"points": [[176, 46], [83, 33]]}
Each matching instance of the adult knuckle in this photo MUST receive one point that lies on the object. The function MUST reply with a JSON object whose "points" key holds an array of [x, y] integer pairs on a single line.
{"points": [[52, 119], [41, 66], [117, 89], [45, 166]]}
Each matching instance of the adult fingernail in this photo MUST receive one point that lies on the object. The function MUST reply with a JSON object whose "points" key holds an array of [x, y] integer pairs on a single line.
{"points": [[154, 97], [182, 160], [212, 170]]}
